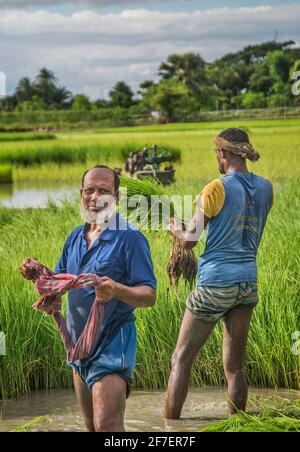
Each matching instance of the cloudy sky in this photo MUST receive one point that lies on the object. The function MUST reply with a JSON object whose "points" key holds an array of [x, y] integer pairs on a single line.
{"points": [[91, 44]]}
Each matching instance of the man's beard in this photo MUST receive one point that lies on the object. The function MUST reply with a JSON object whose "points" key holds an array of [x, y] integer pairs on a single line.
{"points": [[101, 219]]}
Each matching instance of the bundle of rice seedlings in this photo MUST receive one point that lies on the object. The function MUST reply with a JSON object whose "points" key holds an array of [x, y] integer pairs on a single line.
{"points": [[284, 419], [182, 262]]}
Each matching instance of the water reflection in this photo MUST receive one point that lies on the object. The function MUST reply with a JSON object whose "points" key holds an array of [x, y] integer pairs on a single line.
{"points": [[27, 195]]}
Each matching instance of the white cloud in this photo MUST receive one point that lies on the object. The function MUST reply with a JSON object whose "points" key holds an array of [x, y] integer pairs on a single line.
{"points": [[85, 3], [90, 51]]}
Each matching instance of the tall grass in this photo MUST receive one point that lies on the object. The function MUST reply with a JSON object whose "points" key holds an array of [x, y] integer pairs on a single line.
{"points": [[6, 174], [278, 145], [58, 153], [5, 137], [35, 355]]}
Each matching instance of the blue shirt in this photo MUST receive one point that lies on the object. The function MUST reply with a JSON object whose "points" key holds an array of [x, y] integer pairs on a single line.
{"points": [[233, 236], [124, 256]]}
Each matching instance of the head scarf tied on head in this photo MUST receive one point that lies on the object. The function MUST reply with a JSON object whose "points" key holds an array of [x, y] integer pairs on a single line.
{"points": [[244, 150]]}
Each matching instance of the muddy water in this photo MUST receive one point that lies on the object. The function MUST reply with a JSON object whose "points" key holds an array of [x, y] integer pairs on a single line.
{"points": [[24, 195], [144, 411]]}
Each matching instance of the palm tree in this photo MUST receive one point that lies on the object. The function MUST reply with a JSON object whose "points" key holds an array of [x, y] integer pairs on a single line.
{"points": [[46, 86], [62, 97], [121, 95], [188, 68], [46, 76], [24, 90]]}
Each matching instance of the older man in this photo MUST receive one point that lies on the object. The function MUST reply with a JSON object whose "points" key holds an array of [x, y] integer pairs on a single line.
{"points": [[108, 246], [235, 208]]}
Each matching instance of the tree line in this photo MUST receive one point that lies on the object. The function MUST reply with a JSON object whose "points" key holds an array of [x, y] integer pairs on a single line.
{"points": [[258, 76]]}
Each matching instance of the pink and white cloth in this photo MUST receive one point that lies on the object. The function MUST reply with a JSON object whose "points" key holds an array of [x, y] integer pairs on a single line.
{"points": [[51, 287]]}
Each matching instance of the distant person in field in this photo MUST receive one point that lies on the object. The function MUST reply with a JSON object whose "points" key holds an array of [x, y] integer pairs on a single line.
{"points": [[235, 209], [107, 246]]}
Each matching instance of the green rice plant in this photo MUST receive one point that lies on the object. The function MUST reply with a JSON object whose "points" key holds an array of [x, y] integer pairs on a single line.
{"points": [[5, 137], [6, 174], [57, 153], [276, 144], [35, 357], [28, 426], [284, 419]]}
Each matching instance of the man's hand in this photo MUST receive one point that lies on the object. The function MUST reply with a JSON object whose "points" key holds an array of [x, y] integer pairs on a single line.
{"points": [[107, 290], [175, 227], [138, 297], [188, 236]]}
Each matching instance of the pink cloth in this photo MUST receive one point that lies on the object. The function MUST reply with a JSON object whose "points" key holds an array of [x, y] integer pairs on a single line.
{"points": [[51, 287]]}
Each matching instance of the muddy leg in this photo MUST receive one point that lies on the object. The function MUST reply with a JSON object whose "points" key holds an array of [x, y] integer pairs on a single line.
{"points": [[193, 335], [84, 398], [236, 328], [109, 400]]}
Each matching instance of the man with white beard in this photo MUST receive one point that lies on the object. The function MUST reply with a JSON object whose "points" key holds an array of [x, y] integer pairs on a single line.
{"points": [[108, 246]]}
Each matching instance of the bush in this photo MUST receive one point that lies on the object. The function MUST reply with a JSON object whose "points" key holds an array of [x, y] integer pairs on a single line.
{"points": [[254, 100]]}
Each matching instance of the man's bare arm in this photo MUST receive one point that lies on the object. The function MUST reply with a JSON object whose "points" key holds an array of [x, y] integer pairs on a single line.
{"points": [[138, 296], [189, 238]]}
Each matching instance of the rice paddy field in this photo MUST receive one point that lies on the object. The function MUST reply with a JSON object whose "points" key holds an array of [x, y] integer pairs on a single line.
{"points": [[35, 357]]}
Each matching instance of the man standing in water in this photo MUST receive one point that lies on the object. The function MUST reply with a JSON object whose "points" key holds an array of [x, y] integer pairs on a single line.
{"points": [[235, 208], [106, 245]]}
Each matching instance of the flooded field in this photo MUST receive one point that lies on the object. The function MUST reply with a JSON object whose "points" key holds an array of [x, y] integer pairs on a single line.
{"points": [[23, 195], [57, 411]]}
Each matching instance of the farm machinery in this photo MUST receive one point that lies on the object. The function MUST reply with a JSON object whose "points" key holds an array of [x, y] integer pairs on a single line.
{"points": [[147, 163]]}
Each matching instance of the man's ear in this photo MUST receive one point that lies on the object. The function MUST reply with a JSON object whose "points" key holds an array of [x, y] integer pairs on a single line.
{"points": [[81, 191], [223, 153]]}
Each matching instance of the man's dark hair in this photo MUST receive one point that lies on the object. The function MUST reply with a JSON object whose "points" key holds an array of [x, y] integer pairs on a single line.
{"points": [[235, 135], [117, 178]]}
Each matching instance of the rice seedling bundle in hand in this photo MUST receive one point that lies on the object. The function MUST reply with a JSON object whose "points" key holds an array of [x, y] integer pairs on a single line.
{"points": [[182, 262]]}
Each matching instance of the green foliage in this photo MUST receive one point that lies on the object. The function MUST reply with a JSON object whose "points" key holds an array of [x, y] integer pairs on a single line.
{"points": [[169, 97], [189, 69], [6, 174], [254, 100], [6, 137], [81, 102], [121, 95], [188, 87]]}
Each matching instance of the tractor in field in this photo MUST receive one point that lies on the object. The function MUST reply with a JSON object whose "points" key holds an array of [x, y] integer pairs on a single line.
{"points": [[146, 163]]}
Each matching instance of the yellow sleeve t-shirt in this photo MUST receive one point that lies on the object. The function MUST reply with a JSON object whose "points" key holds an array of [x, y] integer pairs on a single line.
{"points": [[212, 198]]}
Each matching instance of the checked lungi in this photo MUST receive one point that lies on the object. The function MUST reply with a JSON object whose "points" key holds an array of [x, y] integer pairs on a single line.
{"points": [[51, 287]]}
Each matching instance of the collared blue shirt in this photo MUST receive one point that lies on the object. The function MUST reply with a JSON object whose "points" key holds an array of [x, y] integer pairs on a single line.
{"points": [[122, 253]]}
